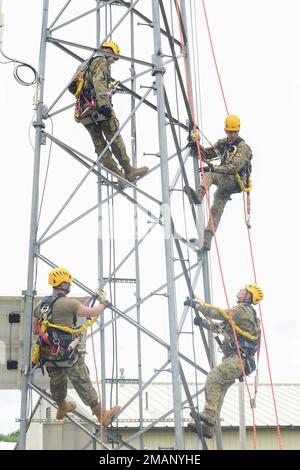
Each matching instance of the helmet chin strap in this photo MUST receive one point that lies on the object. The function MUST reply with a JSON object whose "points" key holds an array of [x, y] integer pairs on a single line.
{"points": [[65, 290], [244, 298], [247, 295]]}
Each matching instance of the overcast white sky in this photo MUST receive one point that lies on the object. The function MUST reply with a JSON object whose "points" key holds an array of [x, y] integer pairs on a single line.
{"points": [[256, 47]]}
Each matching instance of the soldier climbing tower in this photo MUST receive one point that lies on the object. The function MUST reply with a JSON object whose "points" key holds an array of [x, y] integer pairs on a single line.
{"points": [[143, 257]]}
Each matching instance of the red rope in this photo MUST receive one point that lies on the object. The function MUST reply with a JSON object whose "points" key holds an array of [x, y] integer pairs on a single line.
{"points": [[209, 210], [250, 243], [214, 57], [262, 327]]}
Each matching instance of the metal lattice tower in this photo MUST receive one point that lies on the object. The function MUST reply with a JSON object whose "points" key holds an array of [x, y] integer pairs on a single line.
{"points": [[154, 118]]}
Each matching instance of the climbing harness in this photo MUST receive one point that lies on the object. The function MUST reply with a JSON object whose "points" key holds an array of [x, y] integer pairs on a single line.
{"points": [[225, 154], [248, 344], [57, 344], [244, 179], [86, 111], [227, 317], [53, 345], [243, 176]]}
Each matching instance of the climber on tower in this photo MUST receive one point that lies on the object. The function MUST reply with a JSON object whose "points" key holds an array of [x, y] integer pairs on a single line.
{"points": [[231, 176], [59, 350], [244, 321], [94, 110]]}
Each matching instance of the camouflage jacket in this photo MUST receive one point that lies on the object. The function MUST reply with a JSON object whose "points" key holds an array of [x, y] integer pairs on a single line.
{"points": [[243, 315], [99, 75], [229, 165]]}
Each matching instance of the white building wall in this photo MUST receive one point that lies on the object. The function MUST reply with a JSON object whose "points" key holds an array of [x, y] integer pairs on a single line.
{"points": [[54, 435]]}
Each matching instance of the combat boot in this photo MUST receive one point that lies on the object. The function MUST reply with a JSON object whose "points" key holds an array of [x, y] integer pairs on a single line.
{"points": [[197, 196], [111, 165], [121, 184], [132, 173], [208, 431], [105, 417], [207, 418], [64, 408]]}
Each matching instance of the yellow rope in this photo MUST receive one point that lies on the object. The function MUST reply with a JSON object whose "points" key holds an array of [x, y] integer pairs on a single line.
{"points": [[35, 353], [80, 83], [241, 183], [238, 177], [230, 320], [67, 329]]}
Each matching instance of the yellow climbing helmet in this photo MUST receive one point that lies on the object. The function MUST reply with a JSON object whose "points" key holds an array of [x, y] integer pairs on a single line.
{"points": [[113, 46], [256, 292], [59, 275], [232, 123]]}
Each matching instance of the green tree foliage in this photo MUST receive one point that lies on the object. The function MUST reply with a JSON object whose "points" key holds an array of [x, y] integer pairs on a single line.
{"points": [[12, 437]]}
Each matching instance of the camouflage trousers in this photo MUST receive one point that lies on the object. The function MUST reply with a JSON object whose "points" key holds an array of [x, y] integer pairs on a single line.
{"points": [[102, 133], [218, 382], [226, 185], [79, 375]]}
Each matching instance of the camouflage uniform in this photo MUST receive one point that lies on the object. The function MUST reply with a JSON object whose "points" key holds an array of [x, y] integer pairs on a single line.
{"points": [[79, 375], [63, 311], [223, 177], [103, 131], [224, 375]]}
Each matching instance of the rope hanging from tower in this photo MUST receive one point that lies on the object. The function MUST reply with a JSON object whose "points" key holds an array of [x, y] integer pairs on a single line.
{"points": [[245, 188]]}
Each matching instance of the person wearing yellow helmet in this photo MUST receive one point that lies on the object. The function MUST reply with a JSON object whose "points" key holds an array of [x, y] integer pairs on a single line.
{"points": [[235, 165], [59, 347], [243, 319], [113, 46], [256, 291], [94, 101]]}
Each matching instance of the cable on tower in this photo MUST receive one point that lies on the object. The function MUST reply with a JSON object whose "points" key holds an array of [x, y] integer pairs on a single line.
{"points": [[15, 61]]}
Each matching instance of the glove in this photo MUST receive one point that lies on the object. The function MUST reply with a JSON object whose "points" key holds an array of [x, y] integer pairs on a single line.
{"points": [[208, 169], [197, 321], [101, 295], [190, 302], [106, 111]]}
